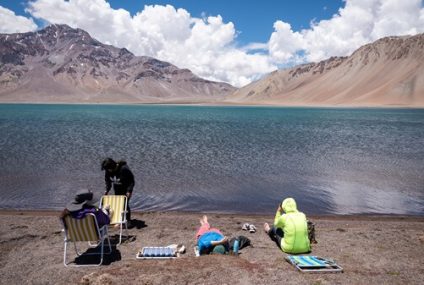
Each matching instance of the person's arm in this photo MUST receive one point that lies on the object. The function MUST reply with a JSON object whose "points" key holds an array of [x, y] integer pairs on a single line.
{"points": [[102, 218], [64, 213], [218, 242], [278, 220], [108, 183], [62, 216], [128, 178]]}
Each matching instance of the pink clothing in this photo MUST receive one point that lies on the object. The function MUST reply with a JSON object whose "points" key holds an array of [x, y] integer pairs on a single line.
{"points": [[204, 229]]}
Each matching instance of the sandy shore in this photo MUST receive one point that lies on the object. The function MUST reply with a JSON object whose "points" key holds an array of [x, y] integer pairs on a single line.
{"points": [[372, 250]]}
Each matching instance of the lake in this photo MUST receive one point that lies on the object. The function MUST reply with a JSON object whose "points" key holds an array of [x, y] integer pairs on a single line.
{"points": [[217, 158]]}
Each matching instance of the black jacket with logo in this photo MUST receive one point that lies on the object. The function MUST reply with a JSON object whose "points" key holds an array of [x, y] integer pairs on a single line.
{"points": [[122, 179]]}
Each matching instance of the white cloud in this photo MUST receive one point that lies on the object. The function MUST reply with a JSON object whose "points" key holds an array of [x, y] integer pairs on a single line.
{"points": [[204, 45], [284, 43], [255, 46], [11, 23], [358, 23], [207, 45], [398, 17]]}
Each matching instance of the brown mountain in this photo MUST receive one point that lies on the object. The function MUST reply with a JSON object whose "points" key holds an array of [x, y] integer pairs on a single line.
{"points": [[61, 64], [388, 72]]}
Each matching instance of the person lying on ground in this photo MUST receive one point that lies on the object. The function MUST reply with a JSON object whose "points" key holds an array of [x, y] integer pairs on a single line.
{"points": [[207, 238]]}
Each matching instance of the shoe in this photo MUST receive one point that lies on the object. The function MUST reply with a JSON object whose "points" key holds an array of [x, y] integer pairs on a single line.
{"points": [[181, 249], [252, 229], [245, 227], [177, 248]]}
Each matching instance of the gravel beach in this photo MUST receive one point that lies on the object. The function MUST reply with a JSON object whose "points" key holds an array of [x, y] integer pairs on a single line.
{"points": [[371, 250]]}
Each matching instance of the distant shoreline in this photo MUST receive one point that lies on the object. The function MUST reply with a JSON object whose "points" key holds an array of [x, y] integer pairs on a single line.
{"points": [[218, 104]]}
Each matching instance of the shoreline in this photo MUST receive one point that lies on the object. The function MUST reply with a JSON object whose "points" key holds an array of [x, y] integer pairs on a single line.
{"points": [[334, 217], [219, 104], [371, 250]]}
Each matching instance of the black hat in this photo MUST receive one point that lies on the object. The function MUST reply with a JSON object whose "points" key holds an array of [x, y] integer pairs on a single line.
{"points": [[83, 197]]}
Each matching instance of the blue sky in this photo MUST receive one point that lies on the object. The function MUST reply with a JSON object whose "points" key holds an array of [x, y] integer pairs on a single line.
{"points": [[253, 19], [233, 41]]}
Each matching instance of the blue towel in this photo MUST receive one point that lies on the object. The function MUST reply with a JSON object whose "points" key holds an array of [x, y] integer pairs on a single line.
{"points": [[308, 261]]}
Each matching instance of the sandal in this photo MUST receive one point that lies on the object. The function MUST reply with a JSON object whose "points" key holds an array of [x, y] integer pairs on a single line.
{"points": [[252, 229], [245, 227], [181, 249]]}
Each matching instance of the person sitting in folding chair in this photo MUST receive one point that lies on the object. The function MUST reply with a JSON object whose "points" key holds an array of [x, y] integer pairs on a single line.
{"points": [[290, 229], [83, 221], [83, 204]]}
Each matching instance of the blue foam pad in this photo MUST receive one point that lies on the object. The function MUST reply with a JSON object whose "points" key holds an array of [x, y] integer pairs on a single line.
{"points": [[157, 252]]}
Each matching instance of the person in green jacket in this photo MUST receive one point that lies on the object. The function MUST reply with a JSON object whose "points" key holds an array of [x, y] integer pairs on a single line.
{"points": [[290, 230]]}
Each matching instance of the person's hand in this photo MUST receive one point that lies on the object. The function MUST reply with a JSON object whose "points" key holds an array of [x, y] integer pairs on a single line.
{"points": [[128, 195], [106, 192]]}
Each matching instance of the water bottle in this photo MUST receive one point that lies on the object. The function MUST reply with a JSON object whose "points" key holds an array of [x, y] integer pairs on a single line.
{"points": [[236, 247]]}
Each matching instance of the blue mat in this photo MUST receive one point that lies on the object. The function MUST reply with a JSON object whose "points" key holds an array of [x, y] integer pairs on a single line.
{"points": [[308, 263]]}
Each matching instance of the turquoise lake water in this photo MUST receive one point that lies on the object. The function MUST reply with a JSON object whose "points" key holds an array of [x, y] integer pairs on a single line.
{"points": [[217, 159]]}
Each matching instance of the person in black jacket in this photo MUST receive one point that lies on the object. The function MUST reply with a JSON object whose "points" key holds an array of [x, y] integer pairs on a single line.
{"points": [[120, 176]]}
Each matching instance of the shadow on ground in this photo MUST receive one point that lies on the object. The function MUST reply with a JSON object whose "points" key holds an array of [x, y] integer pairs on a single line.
{"points": [[139, 224], [92, 256]]}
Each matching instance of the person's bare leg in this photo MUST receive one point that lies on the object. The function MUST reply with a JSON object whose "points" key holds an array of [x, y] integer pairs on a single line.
{"points": [[266, 228], [204, 227], [203, 220]]}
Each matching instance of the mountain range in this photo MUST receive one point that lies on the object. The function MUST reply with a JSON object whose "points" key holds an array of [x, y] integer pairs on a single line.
{"points": [[388, 72], [62, 64]]}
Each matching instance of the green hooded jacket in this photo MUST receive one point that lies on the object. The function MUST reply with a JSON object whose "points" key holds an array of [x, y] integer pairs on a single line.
{"points": [[295, 228]]}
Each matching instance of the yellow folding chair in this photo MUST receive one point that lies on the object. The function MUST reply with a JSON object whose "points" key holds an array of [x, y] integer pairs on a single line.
{"points": [[85, 230], [118, 205]]}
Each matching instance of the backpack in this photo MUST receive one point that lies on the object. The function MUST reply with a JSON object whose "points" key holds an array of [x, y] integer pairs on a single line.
{"points": [[243, 242], [311, 232]]}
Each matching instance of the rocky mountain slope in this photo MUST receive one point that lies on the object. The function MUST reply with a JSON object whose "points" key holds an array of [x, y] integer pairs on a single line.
{"points": [[388, 72], [61, 64]]}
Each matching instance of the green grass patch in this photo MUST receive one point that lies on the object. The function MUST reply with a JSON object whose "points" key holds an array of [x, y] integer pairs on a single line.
{"points": [[393, 273]]}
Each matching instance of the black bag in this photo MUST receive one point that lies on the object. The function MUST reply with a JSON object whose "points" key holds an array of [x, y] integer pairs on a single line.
{"points": [[311, 232], [243, 242]]}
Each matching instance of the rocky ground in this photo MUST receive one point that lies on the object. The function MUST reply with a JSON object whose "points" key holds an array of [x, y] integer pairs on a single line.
{"points": [[372, 250]]}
